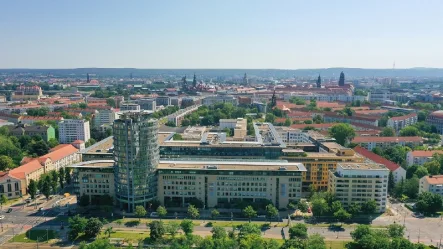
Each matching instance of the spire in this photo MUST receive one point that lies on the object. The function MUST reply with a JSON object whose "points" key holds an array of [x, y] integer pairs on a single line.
{"points": [[87, 78], [319, 81], [184, 83], [341, 81], [245, 80], [273, 100], [194, 81]]}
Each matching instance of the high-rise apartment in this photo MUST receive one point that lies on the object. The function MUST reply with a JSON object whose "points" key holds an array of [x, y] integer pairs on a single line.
{"points": [[73, 129], [136, 155]]}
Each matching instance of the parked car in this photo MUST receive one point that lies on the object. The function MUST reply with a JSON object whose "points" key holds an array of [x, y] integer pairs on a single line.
{"points": [[154, 215]]}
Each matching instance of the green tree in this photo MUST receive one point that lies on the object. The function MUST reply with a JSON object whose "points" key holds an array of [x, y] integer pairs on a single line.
{"points": [[52, 143], [396, 230], [391, 182], [369, 207], [46, 186], [411, 187], [140, 212], [271, 211], [61, 177], [187, 226], [54, 180], [336, 206], [303, 206], [77, 225], [270, 118], [177, 136], [354, 208], [3, 200], [215, 213], [108, 231], [32, 188], [387, 132], [409, 131], [39, 148], [93, 227], [157, 230], [319, 207], [68, 176], [316, 241], [287, 122], [249, 212], [172, 228], [162, 212], [248, 229], [6, 163], [360, 232], [342, 215], [218, 233], [193, 212], [298, 231], [84, 200], [433, 167], [342, 133], [429, 202], [110, 102], [420, 172], [318, 119]]}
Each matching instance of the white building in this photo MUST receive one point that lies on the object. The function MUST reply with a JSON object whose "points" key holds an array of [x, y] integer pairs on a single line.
{"points": [[379, 96], [104, 117], [210, 100], [433, 184], [419, 157], [398, 123], [73, 129], [359, 183]]}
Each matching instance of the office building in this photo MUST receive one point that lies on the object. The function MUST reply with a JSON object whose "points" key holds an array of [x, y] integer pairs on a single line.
{"points": [[125, 106], [163, 100], [147, 104], [73, 129], [359, 183], [432, 183], [239, 126], [379, 96], [220, 183], [104, 117], [136, 155], [93, 179]]}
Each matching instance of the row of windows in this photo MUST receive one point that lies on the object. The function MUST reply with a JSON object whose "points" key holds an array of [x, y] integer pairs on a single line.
{"points": [[179, 183], [241, 194], [180, 177], [9, 187], [179, 187], [100, 191], [178, 193], [241, 184]]}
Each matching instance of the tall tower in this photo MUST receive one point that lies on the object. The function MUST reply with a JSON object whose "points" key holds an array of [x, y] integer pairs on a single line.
{"points": [[194, 81], [319, 81], [245, 80], [87, 78], [136, 155], [341, 81], [130, 76]]}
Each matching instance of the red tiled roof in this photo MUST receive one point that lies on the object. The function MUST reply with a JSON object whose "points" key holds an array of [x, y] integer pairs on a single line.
{"points": [[78, 142], [437, 179], [58, 147], [376, 158], [27, 168], [317, 126], [404, 117], [425, 153], [61, 152], [386, 139]]}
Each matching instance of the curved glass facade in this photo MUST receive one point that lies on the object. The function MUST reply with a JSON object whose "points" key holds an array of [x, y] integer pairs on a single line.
{"points": [[136, 155]]}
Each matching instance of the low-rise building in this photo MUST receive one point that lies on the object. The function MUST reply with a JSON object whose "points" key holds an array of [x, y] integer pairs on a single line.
{"points": [[147, 104], [211, 100], [398, 123], [222, 183], [419, 157], [45, 132], [12, 186], [385, 142], [359, 183], [436, 119], [27, 93], [433, 184], [125, 106], [239, 126]]}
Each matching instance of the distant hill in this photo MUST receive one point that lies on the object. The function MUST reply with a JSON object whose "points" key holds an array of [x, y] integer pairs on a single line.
{"points": [[277, 73]]}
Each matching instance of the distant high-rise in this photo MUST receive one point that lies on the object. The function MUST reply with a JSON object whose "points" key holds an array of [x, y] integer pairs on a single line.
{"points": [[87, 78], [136, 155], [245, 80], [130, 76], [319, 81], [194, 81], [341, 81]]}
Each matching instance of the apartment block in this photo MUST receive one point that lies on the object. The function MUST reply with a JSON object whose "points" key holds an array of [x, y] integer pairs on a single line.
{"points": [[398, 123], [222, 182], [359, 183], [125, 106], [211, 100], [436, 119], [104, 117], [147, 104], [419, 157], [433, 184], [384, 142], [73, 129]]}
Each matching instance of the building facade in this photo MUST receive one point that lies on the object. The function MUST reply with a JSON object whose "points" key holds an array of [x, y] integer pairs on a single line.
{"points": [[436, 119], [104, 117], [433, 184], [124, 106], [398, 123], [147, 104], [420, 157], [359, 183], [136, 155], [222, 183], [211, 100], [384, 142], [73, 129]]}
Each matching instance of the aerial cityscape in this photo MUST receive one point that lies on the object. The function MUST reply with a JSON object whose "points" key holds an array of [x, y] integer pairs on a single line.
{"points": [[187, 141]]}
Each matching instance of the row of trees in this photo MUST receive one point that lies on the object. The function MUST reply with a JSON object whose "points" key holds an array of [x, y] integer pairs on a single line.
{"points": [[78, 226], [49, 182]]}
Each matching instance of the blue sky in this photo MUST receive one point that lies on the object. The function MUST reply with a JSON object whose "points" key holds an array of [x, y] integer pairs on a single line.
{"points": [[286, 34]]}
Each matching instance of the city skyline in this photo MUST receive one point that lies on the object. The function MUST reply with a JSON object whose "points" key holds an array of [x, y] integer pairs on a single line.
{"points": [[198, 34]]}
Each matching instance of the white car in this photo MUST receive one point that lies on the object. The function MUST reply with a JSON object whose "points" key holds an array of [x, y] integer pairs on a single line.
{"points": [[154, 215], [2, 217]]}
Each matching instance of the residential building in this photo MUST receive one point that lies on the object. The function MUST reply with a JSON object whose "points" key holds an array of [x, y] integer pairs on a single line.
{"points": [[45, 132], [436, 119], [220, 183], [419, 157], [385, 142], [177, 117], [398, 172], [31, 170], [432, 183], [147, 104], [359, 183], [12, 186], [163, 100], [125, 106], [27, 93], [104, 117], [30, 120], [136, 153], [211, 100], [73, 129], [379, 96], [398, 123], [332, 117], [94, 179], [63, 155]]}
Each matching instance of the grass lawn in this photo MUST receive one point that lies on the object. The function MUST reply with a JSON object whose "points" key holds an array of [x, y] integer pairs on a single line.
{"points": [[32, 235], [132, 222], [128, 235]]}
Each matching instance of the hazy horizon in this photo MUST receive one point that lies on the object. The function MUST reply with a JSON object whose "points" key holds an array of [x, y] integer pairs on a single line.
{"points": [[250, 34]]}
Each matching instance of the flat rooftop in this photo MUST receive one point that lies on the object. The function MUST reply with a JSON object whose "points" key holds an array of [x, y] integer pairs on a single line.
{"points": [[365, 166], [94, 164], [278, 165], [101, 147]]}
